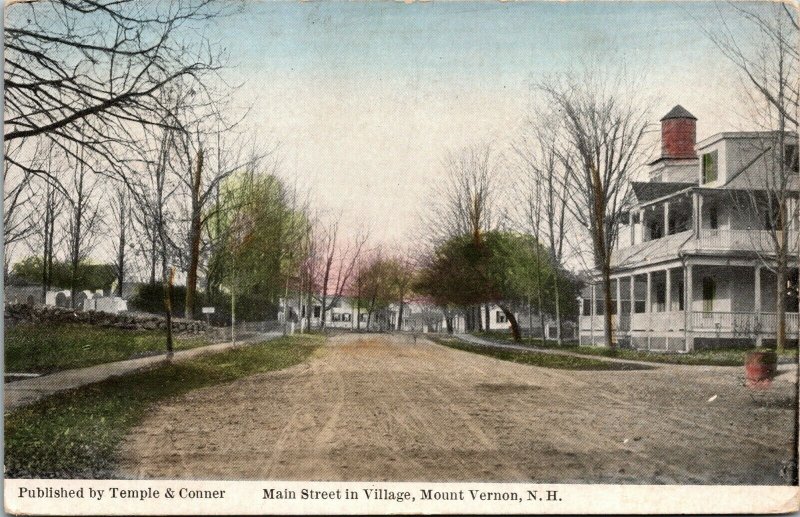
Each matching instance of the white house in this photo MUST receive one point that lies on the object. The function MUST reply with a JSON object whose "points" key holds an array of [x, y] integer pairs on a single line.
{"points": [[691, 267], [345, 314]]}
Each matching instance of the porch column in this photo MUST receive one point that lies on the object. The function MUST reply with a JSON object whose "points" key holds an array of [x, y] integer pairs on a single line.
{"points": [[668, 288], [666, 218], [688, 308], [698, 213], [648, 308], [591, 314], [633, 310], [757, 305], [633, 295], [642, 226], [632, 227]]}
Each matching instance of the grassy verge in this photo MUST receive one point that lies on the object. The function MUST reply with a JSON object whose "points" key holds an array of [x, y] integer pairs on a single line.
{"points": [[564, 362], [77, 434], [31, 348], [734, 356]]}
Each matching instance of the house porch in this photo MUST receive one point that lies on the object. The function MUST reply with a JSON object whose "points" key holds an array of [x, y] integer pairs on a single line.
{"points": [[681, 307]]}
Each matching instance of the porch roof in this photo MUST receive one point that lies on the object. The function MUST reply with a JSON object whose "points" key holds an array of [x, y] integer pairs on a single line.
{"points": [[646, 191]]}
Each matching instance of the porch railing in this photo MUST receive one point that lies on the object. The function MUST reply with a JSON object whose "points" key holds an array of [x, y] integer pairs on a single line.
{"points": [[735, 323], [742, 240]]}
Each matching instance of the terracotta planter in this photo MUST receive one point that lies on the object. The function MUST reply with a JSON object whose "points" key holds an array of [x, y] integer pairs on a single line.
{"points": [[760, 368]]}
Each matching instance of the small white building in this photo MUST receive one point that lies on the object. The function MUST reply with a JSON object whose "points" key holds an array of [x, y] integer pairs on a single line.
{"points": [[691, 268]]}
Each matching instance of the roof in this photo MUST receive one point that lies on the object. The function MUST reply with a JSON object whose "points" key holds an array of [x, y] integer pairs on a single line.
{"points": [[649, 190], [678, 112]]}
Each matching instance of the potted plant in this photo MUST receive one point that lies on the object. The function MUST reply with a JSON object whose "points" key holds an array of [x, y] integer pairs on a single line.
{"points": [[761, 366]]}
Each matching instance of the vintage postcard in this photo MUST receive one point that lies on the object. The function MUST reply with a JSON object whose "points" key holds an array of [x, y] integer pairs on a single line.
{"points": [[379, 257]]}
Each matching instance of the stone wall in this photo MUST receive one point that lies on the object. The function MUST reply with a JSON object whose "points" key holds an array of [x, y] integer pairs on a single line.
{"points": [[23, 313]]}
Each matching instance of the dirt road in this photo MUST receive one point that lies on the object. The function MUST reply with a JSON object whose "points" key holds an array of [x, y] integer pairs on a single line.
{"points": [[379, 407]]}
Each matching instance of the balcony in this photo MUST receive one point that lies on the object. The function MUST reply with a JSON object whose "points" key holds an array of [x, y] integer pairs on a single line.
{"points": [[758, 241], [670, 246]]}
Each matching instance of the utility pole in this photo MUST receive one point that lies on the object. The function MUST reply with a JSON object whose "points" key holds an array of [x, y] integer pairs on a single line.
{"points": [[233, 301]]}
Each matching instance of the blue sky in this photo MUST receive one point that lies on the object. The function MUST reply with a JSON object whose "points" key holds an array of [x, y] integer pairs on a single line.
{"points": [[367, 97]]}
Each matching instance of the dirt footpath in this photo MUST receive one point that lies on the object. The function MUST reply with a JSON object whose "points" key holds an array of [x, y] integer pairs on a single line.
{"points": [[379, 407]]}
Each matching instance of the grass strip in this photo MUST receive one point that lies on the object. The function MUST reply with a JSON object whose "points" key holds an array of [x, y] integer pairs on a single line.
{"points": [[563, 362], [729, 356], [36, 348], [77, 434]]}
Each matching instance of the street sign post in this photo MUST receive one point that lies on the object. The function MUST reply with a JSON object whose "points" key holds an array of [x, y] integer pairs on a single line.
{"points": [[208, 311]]}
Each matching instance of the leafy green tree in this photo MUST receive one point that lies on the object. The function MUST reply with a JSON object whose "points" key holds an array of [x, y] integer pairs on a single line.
{"points": [[260, 231], [88, 275], [497, 269]]}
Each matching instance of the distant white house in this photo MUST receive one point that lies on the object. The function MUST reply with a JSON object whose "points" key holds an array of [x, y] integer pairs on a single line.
{"points": [[690, 269], [418, 316], [346, 314]]}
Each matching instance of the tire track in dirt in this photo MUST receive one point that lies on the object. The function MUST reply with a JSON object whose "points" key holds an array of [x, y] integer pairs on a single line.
{"points": [[373, 407]]}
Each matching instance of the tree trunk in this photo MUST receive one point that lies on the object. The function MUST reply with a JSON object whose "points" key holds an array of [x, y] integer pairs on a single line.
{"points": [[153, 257], [121, 244], [609, 330], [400, 316], [514, 324], [780, 302], [309, 301], [476, 311], [558, 309], [488, 314], [195, 230], [168, 307]]}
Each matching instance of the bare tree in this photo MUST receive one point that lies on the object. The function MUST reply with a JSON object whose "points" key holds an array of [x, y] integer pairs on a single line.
{"points": [[338, 258], [90, 72], [769, 69], [120, 214], [467, 201], [544, 199], [600, 138], [82, 224]]}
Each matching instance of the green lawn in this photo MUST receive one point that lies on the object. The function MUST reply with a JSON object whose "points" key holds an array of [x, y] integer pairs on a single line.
{"points": [[564, 362], [77, 434], [32, 348], [721, 357]]}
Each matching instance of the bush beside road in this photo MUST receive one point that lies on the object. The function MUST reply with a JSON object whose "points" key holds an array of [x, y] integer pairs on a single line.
{"points": [[730, 356]]}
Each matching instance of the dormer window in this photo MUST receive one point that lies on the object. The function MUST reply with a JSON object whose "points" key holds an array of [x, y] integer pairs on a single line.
{"points": [[790, 158], [710, 167]]}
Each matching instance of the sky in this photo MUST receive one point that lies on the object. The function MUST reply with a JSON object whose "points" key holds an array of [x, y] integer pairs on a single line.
{"points": [[366, 98]]}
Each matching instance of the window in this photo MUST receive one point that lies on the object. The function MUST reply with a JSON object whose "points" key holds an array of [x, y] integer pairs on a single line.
{"points": [[336, 317], [317, 311], [710, 167], [347, 317], [709, 291], [790, 157], [655, 230], [661, 296], [713, 221], [363, 316], [499, 317], [587, 307], [304, 311]]}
